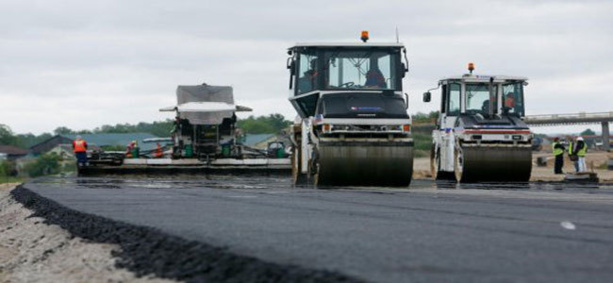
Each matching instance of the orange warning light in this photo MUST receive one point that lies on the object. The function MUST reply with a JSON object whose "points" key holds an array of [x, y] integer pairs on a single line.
{"points": [[471, 67], [364, 36]]}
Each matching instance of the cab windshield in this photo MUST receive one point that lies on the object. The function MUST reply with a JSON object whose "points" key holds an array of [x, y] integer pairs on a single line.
{"points": [[360, 68], [478, 98]]}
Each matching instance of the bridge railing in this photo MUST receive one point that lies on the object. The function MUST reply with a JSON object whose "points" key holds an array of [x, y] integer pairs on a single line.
{"points": [[577, 116]]}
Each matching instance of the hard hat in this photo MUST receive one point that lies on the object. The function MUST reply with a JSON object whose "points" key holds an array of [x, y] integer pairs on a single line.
{"points": [[580, 138]]}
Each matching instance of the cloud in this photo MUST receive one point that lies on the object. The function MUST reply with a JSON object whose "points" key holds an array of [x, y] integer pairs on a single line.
{"points": [[84, 64]]}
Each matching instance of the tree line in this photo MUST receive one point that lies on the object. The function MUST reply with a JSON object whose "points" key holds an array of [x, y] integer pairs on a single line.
{"points": [[271, 124]]}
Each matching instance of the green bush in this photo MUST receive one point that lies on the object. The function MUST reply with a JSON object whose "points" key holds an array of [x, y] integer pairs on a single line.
{"points": [[7, 168], [47, 164], [422, 141]]}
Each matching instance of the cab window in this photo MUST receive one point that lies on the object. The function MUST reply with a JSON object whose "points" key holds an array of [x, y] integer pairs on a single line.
{"points": [[453, 101], [513, 98], [307, 73]]}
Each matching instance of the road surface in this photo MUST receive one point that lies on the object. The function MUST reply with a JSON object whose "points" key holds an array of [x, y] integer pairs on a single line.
{"points": [[428, 233]]}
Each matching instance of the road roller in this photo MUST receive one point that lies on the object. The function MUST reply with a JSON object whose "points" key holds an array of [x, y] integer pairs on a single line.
{"points": [[480, 135], [352, 127]]}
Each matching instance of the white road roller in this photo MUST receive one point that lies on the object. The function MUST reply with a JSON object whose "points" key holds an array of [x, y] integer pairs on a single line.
{"points": [[480, 135], [352, 126]]}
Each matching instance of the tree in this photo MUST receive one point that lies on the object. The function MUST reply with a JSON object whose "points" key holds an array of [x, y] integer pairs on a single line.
{"points": [[588, 132], [271, 124], [425, 118], [63, 131], [6, 136]]}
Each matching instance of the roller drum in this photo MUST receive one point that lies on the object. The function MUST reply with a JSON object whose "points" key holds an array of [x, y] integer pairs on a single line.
{"points": [[493, 164], [364, 164]]}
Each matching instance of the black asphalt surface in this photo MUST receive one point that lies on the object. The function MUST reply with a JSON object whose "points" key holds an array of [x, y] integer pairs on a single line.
{"points": [[428, 233]]}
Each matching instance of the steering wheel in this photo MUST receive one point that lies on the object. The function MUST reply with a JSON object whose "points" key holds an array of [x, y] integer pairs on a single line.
{"points": [[347, 84]]}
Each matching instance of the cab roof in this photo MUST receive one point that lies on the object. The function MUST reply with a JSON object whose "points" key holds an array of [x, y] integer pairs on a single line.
{"points": [[483, 78], [348, 44]]}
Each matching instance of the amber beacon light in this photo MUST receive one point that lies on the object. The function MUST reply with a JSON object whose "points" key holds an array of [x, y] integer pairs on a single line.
{"points": [[364, 36], [471, 67]]}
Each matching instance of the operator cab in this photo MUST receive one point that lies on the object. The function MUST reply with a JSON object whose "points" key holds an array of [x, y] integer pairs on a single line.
{"points": [[317, 70], [479, 99]]}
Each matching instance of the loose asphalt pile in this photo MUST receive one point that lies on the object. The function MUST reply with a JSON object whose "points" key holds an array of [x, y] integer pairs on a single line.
{"points": [[31, 251], [147, 251]]}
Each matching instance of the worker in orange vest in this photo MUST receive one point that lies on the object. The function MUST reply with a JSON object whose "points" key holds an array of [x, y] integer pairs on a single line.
{"points": [[510, 100], [79, 147], [130, 149], [158, 151]]}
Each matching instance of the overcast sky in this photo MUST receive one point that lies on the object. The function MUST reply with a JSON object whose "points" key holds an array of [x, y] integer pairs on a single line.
{"points": [[83, 64]]}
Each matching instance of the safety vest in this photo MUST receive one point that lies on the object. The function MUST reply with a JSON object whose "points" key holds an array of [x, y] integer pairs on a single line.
{"points": [[556, 151], [570, 148], [158, 152], [581, 152], [79, 146]]}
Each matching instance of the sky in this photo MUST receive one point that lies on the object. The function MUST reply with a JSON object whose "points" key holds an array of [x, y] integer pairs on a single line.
{"points": [[84, 64]]}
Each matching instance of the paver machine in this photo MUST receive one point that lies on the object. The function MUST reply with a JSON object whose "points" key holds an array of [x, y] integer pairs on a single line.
{"points": [[352, 126], [480, 134]]}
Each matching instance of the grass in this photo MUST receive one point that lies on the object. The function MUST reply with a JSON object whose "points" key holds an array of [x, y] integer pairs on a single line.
{"points": [[422, 141], [7, 179]]}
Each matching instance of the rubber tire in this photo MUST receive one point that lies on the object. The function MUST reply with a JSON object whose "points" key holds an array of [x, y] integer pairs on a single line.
{"points": [[435, 164], [458, 165], [298, 179]]}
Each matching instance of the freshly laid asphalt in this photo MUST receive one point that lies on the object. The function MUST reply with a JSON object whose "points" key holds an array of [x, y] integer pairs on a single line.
{"points": [[427, 233]]}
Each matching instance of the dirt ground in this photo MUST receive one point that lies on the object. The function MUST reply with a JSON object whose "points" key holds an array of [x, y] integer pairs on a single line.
{"points": [[596, 162], [31, 251]]}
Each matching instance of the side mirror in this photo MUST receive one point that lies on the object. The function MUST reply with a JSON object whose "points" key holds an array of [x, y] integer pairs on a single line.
{"points": [[427, 96], [404, 69], [290, 64]]}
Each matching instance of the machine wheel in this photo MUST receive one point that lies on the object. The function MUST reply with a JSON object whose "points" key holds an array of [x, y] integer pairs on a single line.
{"points": [[297, 177], [458, 164], [363, 164], [435, 164], [492, 164]]}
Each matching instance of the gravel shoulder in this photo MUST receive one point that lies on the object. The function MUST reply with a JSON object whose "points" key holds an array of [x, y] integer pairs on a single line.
{"points": [[32, 251]]}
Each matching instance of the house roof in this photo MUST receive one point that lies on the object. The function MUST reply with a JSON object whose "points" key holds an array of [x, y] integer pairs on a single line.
{"points": [[253, 139], [49, 143], [12, 150]]}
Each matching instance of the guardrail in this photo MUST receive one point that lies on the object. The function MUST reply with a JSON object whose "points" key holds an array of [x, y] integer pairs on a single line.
{"points": [[565, 119]]}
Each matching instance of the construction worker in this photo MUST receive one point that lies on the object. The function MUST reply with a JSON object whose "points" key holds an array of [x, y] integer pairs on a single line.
{"points": [[510, 100], [79, 147], [158, 151], [130, 149], [308, 81], [571, 154], [558, 152], [581, 149], [374, 77]]}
